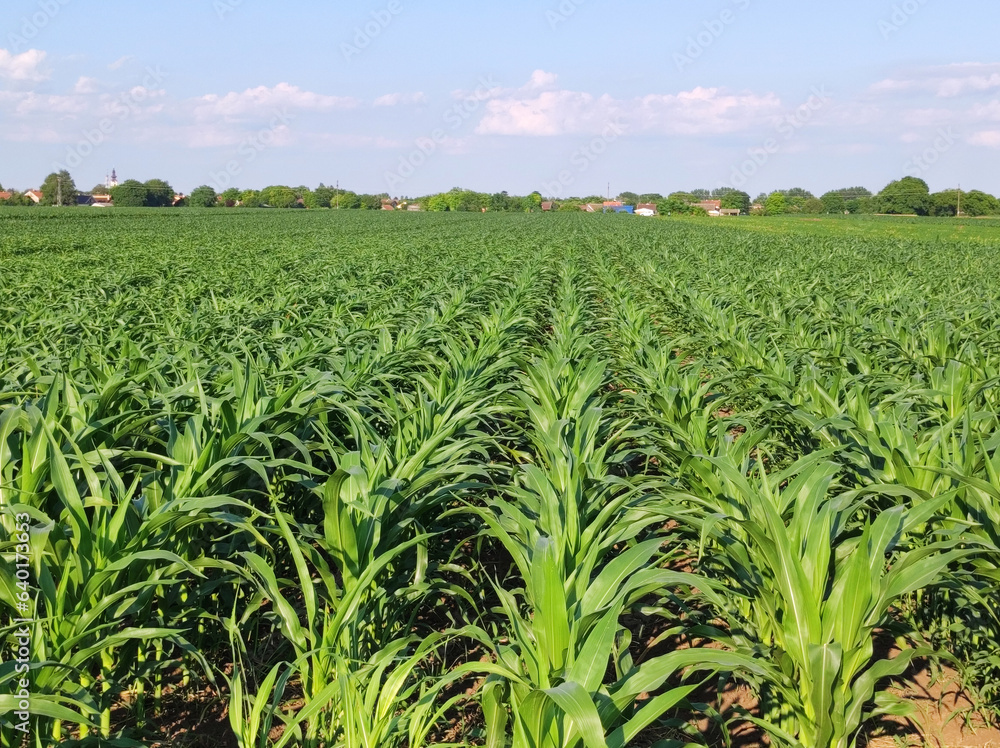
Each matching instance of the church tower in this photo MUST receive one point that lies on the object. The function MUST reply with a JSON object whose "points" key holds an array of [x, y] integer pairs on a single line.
{"points": [[113, 179]]}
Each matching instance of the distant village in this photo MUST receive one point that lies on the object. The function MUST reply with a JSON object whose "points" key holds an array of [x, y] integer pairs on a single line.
{"points": [[908, 196], [60, 189]]}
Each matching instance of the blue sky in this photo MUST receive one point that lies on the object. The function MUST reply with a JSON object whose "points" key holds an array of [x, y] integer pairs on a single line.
{"points": [[563, 96]]}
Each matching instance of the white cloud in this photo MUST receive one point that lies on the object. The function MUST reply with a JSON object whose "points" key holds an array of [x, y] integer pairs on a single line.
{"points": [[707, 111], [548, 113], [86, 85], [944, 81], [398, 99], [120, 62], [264, 101], [142, 114], [702, 111], [540, 79], [28, 104], [26, 66], [986, 138], [934, 117], [989, 111]]}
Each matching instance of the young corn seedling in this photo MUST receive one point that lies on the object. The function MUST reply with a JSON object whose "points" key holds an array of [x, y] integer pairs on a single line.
{"points": [[812, 586]]}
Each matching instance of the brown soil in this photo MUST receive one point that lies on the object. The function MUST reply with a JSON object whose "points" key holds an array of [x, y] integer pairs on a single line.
{"points": [[944, 716], [197, 718]]}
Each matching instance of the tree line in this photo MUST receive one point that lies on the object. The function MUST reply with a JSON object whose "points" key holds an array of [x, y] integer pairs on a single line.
{"points": [[907, 196]]}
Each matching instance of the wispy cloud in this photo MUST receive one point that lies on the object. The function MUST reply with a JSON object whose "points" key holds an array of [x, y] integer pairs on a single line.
{"points": [[262, 101], [944, 81], [986, 138], [401, 99], [121, 61], [86, 85]]}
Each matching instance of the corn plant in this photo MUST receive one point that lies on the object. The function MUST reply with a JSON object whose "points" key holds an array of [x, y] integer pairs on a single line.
{"points": [[812, 586]]}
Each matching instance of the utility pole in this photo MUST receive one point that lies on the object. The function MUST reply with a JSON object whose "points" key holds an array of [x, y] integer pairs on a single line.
{"points": [[959, 202], [58, 190], [338, 194]]}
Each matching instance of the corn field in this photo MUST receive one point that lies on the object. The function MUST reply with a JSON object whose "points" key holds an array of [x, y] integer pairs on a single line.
{"points": [[507, 481]]}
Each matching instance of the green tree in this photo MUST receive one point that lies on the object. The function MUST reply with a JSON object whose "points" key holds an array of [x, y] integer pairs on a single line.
{"points": [[59, 185], [279, 196], [100, 189], [855, 193], [735, 200], [17, 199], [437, 203], [861, 205], [159, 194], [370, 202], [833, 203], [650, 198], [776, 204], [629, 198], [321, 197], [905, 196], [798, 192], [346, 200], [501, 202], [814, 206], [230, 197], [944, 203], [129, 194], [203, 197], [678, 206], [469, 201], [250, 199], [976, 203], [474, 202], [701, 194]]}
